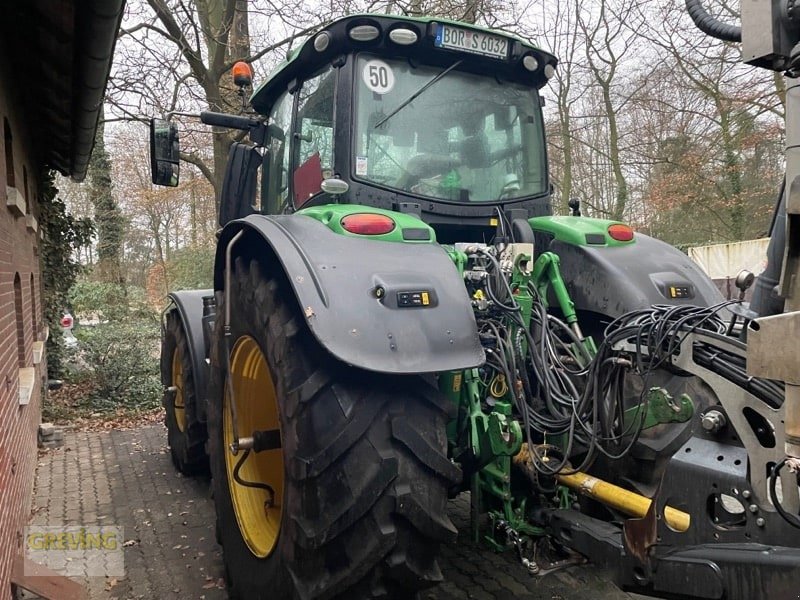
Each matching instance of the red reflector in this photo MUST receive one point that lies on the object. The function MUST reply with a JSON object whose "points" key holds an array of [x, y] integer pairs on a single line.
{"points": [[66, 321], [367, 224], [621, 233]]}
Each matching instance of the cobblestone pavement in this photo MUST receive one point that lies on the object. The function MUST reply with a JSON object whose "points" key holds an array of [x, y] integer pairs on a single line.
{"points": [[125, 478]]}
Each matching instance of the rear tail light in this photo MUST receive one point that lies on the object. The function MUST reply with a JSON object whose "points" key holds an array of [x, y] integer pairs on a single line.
{"points": [[367, 224], [66, 321], [621, 233]]}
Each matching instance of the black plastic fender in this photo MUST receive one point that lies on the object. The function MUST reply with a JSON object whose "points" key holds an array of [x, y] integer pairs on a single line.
{"points": [[348, 290], [189, 304], [613, 280]]}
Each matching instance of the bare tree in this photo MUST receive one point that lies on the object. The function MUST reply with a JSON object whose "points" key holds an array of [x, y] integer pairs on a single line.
{"points": [[733, 108], [562, 35], [607, 43], [174, 56]]}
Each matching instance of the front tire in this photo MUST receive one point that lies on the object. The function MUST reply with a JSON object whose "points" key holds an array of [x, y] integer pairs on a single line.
{"points": [[362, 479]]}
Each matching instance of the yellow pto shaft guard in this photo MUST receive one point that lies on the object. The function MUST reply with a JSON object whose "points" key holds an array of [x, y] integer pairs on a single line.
{"points": [[621, 499]]}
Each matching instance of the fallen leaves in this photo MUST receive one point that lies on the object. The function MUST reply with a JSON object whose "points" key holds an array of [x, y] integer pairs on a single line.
{"points": [[214, 583], [65, 407]]}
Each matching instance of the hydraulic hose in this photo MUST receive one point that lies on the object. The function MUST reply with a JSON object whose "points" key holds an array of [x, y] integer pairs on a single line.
{"points": [[711, 26]]}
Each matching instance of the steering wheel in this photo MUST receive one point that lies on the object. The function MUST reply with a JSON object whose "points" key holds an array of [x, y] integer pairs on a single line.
{"points": [[426, 165]]}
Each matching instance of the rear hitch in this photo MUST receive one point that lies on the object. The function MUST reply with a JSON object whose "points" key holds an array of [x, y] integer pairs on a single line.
{"points": [[504, 531], [552, 557], [547, 558]]}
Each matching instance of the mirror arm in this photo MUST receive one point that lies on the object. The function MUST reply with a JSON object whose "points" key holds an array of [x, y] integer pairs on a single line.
{"points": [[257, 130], [177, 113], [229, 121]]}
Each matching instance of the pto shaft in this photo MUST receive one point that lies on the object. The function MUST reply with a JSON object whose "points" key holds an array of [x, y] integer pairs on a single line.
{"points": [[621, 499]]}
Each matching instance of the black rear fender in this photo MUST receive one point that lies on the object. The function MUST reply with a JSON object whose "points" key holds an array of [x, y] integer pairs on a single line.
{"points": [[349, 290], [188, 305], [613, 280]]}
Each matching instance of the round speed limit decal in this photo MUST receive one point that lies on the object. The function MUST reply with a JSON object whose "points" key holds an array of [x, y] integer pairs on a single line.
{"points": [[378, 76]]}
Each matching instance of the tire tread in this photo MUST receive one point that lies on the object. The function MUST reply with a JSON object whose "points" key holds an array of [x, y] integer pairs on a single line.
{"points": [[366, 498]]}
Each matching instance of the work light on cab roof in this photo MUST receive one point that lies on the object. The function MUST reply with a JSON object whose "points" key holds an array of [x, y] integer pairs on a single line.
{"points": [[434, 42]]}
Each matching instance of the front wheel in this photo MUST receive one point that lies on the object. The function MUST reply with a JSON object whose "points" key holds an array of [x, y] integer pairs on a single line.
{"points": [[353, 502]]}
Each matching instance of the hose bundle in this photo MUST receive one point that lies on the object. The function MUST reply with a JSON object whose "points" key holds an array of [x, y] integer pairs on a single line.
{"points": [[560, 391]]}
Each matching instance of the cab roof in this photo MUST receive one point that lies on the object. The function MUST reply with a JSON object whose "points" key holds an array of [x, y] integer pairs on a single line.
{"points": [[306, 59]]}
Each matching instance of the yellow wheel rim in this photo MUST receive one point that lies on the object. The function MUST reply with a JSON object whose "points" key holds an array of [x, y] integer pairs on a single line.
{"points": [[257, 512], [178, 403]]}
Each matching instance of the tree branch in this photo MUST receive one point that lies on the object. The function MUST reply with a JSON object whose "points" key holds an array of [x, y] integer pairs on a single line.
{"points": [[198, 162], [272, 47], [192, 55]]}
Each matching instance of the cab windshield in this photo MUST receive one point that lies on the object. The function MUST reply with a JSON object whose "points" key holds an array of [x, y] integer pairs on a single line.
{"points": [[464, 138]]}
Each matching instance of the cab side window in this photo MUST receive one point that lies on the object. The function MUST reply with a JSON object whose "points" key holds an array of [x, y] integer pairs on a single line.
{"points": [[313, 135], [277, 185]]}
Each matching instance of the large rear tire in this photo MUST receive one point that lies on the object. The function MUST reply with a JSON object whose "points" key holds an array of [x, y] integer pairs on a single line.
{"points": [[362, 478], [186, 435]]}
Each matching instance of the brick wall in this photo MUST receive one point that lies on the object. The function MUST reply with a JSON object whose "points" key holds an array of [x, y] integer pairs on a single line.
{"points": [[19, 322]]}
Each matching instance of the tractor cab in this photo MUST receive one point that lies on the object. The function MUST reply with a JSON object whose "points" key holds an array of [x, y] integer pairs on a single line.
{"points": [[418, 115], [430, 117]]}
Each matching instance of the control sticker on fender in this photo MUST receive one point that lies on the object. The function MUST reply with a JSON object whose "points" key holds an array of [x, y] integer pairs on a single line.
{"points": [[419, 298]]}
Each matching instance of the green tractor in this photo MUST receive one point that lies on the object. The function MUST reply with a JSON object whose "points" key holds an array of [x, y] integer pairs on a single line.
{"points": [[398, 318]]}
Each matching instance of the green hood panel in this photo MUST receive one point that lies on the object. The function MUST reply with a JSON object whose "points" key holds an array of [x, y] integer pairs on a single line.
{"points": [[580, 231], [408, 229]]}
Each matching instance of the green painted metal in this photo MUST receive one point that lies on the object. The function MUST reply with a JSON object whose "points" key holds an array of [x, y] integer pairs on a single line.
{"points": [[566, 497], [485, 435], [547, 274], [331, 215], [573, 230], [493, 437], [489, 440], [658, 408], [458, 257], [521, 279], [450, 384]]}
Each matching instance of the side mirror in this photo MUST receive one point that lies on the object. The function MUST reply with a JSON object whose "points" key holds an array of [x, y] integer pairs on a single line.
{"points": [[164, 153], [239, 186]]}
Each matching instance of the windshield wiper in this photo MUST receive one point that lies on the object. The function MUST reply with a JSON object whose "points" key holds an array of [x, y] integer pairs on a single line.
{"points": [[413, 96]]}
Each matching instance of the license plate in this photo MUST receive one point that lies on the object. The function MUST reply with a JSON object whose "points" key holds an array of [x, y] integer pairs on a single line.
{"points": [[475, 42]]}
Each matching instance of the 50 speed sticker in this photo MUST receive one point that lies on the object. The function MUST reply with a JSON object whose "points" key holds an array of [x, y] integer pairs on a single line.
{"points": [[378, 76]]}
